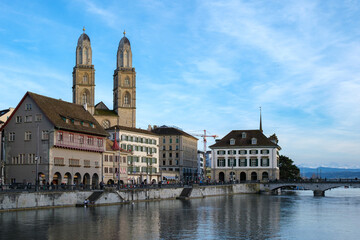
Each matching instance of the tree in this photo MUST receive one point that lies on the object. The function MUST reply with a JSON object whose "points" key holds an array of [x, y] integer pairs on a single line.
{"points": [[288, 170]]}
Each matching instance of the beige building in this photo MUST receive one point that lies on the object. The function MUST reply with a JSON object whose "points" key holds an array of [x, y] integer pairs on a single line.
{"points": [[124, 85], [245, 155], [143, 146], [4, 115], [178, 154], [52, 141], [114, 163]]}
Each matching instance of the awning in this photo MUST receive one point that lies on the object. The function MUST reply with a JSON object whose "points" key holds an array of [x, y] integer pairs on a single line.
{"points": [[169, 177]]}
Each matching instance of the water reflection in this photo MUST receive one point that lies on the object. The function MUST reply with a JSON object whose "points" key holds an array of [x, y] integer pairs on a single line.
{"points": [[232, 217]]}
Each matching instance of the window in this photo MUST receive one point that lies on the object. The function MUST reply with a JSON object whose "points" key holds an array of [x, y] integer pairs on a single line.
{"points": [[74, 162], [177, 140], [177, 155], [164, 140], [221, 162], [90, 141], [100, 142], [85, 79], [231, 152], [31, 158], [232, 141], [254, 151], [253, 162], [59, 161], [27, 136], [45, 134], [106, 170], [170, 140], [164, 148], [60, 136], [164, 162], [81, 139], [170, 162], [164, 156], [264, 162], [170, 155], [243, 135], [242, 152], [38, 117], [242, 162], [106, 158], [170, 147], [11, 137], [87, 163], [28, 118], [253, 141], [127, 81], [127, 98], [177, 147], [71, 137], [231, 162], [28, 107], [264, 151], [221, 152], [18, 119]]}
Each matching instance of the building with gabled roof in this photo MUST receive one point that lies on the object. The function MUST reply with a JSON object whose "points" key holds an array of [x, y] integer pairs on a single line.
{"points": [[245, 155], [60, 141]]}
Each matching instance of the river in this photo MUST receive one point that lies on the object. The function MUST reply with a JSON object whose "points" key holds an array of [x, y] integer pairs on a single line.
{"points": [[292, 215]]}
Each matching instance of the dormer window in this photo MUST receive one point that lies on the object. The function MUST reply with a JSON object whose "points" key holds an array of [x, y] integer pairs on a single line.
{"points": [[253, 141], [243, 135], [232, 141]]}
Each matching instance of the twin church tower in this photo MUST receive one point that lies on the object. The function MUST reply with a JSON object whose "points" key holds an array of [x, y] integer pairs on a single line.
{"points": [[124, 89]]}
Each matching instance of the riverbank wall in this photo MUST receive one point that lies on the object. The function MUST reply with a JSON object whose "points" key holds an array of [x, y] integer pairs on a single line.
{"points": [[36, 200]]}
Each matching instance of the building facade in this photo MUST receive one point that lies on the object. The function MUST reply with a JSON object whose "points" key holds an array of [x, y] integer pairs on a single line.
{"points": [[178, 153], [142, 147], [52, 141], [124, 85], [245, 155]]}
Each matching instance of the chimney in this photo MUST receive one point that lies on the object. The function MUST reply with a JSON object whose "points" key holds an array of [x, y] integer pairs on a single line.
{"points": [[149, 127]]}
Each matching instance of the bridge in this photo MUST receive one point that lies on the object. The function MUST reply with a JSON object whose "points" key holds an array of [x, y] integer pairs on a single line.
{"points": [[318, 186]]}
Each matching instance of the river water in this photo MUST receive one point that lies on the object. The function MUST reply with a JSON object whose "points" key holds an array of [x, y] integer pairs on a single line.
{"points": [[296, 215]]}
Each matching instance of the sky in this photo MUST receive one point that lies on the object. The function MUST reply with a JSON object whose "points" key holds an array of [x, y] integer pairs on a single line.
{"points": [[204, 65]]}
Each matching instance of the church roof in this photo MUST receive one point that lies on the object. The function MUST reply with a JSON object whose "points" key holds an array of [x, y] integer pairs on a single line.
{"points": [[262, 140], [105, 112]]}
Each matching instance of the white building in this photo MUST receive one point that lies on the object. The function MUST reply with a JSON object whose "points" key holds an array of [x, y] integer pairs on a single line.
{"points": [[143, 146], [244, 155]]}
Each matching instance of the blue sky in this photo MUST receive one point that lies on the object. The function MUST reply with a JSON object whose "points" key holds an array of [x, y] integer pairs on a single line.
{"points": [[205, 65]]}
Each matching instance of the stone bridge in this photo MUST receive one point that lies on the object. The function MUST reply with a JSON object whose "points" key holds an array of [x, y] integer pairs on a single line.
{"points": [[318, 186]]}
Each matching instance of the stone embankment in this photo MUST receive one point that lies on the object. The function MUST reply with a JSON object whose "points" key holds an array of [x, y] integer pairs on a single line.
{"points": [[37, 200]]}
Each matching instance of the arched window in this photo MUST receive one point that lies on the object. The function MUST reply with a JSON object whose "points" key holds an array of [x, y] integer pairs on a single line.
{"points": [[127, 98], [86, 57], [125, 59], [84, 98], [80, 55], [85, 79], [127, 81]]}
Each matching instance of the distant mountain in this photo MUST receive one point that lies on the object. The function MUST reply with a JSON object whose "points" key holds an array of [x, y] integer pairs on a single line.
{"points": [[325, 172]]}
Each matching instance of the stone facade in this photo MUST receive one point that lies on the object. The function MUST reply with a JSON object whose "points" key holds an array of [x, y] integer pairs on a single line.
{"points": [[178, 153]]}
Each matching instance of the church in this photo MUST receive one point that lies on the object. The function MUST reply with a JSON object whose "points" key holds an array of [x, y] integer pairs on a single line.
{"points": [[123, 112]]}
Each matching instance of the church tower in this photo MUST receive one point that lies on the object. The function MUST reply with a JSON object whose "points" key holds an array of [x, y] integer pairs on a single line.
{"points": [[125, 85], [84, 74]]}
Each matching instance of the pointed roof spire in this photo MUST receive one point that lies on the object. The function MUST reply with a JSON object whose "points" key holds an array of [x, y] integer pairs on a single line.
{"points": [[260, 121], [115, 146]]}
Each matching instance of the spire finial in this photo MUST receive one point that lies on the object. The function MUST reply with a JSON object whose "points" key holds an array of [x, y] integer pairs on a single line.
{"points": [[124, 32], [84, 29], [260, 121]]}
